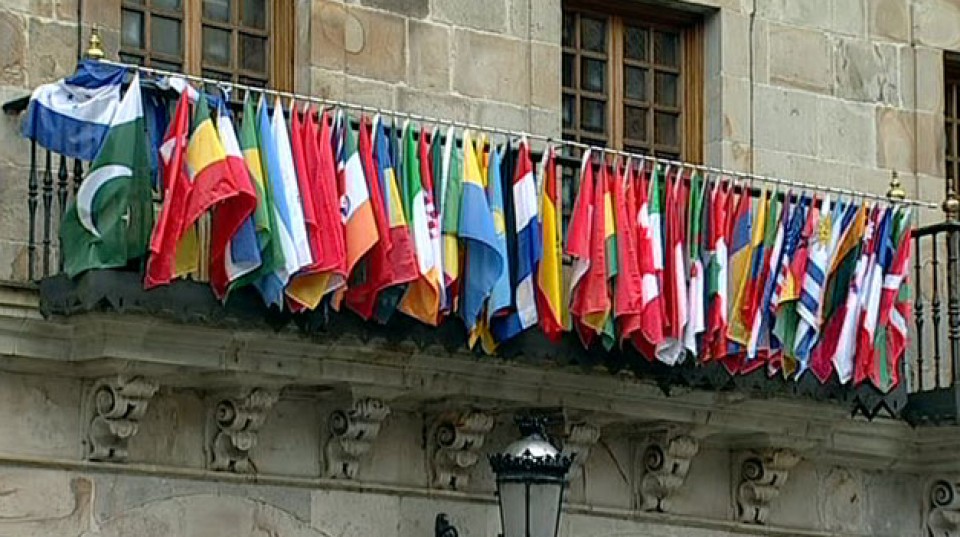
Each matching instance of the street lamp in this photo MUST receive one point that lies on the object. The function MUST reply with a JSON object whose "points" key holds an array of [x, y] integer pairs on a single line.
{"points": [[531, 475]]}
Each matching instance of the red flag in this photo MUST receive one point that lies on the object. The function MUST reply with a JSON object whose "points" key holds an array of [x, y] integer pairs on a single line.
{"points": [[298, 146], [578, 244], [896, 320], [675, 281], [628, 295], [361, 297], [176, 184], [714, 338]]}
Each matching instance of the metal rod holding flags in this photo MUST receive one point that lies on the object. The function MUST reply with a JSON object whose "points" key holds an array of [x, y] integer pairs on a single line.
{"points": [[800, 185]]}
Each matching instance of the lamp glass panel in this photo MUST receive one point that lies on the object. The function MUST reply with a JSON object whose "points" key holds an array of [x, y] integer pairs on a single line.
{"points": [[544, 508], [513, 508]]}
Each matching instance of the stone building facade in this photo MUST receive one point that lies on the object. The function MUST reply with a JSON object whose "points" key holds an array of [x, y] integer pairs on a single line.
{"points": [[834, 92]]}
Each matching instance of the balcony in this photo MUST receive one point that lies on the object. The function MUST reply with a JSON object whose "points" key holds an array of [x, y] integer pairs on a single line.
{"points": [[106, 300]]}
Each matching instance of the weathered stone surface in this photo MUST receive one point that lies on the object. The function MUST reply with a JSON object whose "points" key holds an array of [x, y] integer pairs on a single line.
{"points": [[178, 411], [789, 122], [417, 517], [732, 57], [489, 15], [846, 132], [801, 168], [335, 513], [734, 102], [327, 84], [29, 494], [867, 72], [13, 43], [842, 498], [895, 139], [849, 16], [38, 416], [370, 92], [417, 9], [441, 105], [886, 495], [327, 29], [546, 81], [428, 66], [929, 79], [735, 156], [935, 23], [546, 21], [810, 13], [491, 67], [889, 19], [53, 51], [931, 144], [545, 122], [518, 20], [290, 441], [376, 45], [800, 58]]}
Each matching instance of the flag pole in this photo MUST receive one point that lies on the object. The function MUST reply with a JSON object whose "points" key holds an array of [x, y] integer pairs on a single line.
{"points": [[800, 185]]}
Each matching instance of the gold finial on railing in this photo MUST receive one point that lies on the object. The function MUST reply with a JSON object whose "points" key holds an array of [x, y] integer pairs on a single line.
{"points": [[95, 50], [896, 191], [951, 205]]}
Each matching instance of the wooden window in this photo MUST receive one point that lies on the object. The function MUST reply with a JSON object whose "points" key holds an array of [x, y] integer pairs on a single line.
{"points": [[249, 41], [951, 112]]}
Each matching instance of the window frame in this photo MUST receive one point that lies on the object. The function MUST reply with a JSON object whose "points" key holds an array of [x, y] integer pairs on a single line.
{"points": [[690, 103], [951, 119], [280, 32]]}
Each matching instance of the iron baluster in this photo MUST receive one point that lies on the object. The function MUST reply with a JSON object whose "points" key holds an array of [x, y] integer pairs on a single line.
{"points": [[47, 207], [77, 175], [935, 311], [32, 203], [953, 303], [63, 179], [918, 311]]}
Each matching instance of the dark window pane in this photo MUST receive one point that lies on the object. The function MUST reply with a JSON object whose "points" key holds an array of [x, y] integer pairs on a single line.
{"points": [[569, 111], [666, 129], [593, 34], [569, 20], [635, 44], [666, 90], [635, 83], [593, 115], [593, 75], [255, 14], [138, 2], [216, 46], [172, 5], [568, 74], [176, 67], [165, 36], [666, 48], [635, 123], [218, 10], [130, 58], [131, 29], [253, 53], [951, 139], [948, 97]]}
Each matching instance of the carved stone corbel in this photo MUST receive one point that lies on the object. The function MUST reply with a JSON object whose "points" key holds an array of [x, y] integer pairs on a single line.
{"points": [[238, 420], [943, 515], [762, 474], [352, 433], [666, 462], [456, 445], [117, 405], [577, 442]]}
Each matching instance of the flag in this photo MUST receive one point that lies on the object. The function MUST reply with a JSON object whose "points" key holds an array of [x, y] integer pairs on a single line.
{"points": [[549, 280], [628, 289], [233, 250], [499, 301], [894, 311], [671, 350], [73, 115], [109, 222], [477, 229], [433, 215], [879, 262], [359, 225], [741, 253], [696, 322], [782, 309], [650, 263], [422, 297], [810, 306], [401, 256], [451, 192], [529, 248], [176, 189], [787, 318], [760, 341], [264, 223], [714, 343], [579, 236], [297, 300], [591, 306]]}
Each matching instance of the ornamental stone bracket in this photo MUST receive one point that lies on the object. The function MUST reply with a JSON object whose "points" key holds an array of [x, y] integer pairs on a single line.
{"points": [[456, 443], [352, 434], [665, 464], [943, 504], [578, 440], [762, 475], [116, 406], [237, 419]]}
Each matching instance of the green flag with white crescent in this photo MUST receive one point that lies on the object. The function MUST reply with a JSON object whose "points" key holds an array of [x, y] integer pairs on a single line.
{"points": [[108, 224]]}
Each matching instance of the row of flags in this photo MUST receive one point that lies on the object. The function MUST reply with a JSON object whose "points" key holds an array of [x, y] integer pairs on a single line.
{"points": [[679, 266], [312, 207]]}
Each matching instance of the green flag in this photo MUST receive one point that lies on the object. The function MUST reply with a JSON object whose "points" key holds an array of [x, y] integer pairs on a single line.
{"points": [[110, 220]]}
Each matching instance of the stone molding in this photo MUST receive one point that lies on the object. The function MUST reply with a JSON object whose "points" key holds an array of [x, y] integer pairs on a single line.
{"points": [[762, 474], [116, 406], [577, 442], [943, 508], [665, 464], [456, 443], [352, 434], [238, 419]]}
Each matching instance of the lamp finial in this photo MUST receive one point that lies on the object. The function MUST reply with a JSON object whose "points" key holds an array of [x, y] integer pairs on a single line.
{"points": [[95, 50]]}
